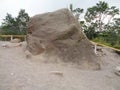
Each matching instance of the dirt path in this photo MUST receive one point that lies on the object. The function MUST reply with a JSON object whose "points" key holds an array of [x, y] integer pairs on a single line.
{"points": [[19, 73]]}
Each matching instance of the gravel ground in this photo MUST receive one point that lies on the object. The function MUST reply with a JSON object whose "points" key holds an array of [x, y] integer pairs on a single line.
{"points": [[19, 73]]}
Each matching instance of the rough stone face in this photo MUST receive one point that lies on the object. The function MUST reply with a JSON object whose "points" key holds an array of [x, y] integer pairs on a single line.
{"points": [[59, 34]]}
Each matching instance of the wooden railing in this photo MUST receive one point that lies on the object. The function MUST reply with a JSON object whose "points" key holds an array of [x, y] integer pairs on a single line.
{"points": [[13, 36], [104, 46], [24, 36]]}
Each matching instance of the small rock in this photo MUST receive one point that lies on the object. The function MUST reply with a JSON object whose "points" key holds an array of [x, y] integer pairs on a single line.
{"points": [[58, 73], [11, 74], [5, 45], [28, 54], [16, 40], [117, 70]]}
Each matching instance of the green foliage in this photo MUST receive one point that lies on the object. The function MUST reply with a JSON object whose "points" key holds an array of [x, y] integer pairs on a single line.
{"points": [[117, 46], [99, 14], [76, 12], [90, 31], [100, 24], [109, 38], [22, 20], [15, 26], [100, 40], [71, 7]]}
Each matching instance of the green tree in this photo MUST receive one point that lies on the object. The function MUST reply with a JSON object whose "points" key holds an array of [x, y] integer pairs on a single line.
{"points": [[98, 14], [100, 23], [117, 25], [15, 25], [9, 25], [76, 12], [22, 20]]}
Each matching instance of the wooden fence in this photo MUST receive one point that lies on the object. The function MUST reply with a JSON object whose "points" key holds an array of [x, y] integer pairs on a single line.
{"points": [[13, 36], [105, 46], [24, 36]]}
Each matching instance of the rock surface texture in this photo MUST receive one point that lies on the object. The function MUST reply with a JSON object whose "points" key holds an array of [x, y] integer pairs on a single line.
{"points": [[58, 34]]}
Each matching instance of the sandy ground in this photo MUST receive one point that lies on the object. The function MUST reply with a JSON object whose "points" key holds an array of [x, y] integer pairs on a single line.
{"points": [[19, 73]]}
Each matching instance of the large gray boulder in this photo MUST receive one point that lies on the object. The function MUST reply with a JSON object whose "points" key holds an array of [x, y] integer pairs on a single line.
{"points": [[59, 34]]}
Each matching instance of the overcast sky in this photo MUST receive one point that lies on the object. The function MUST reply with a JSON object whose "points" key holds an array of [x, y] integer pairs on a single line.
{"points": [[33, 7]]}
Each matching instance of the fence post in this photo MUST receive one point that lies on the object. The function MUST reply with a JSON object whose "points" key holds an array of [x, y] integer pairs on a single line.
{"points": [[11, 37], [95, 48]]}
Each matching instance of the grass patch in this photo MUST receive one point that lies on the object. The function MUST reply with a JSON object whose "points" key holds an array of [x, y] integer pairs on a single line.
{"points": [[97, 40], [101, 41]]}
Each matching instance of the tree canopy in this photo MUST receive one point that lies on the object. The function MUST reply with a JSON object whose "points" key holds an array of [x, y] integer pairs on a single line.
{"points": [[15, 25], [100, 24]]}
